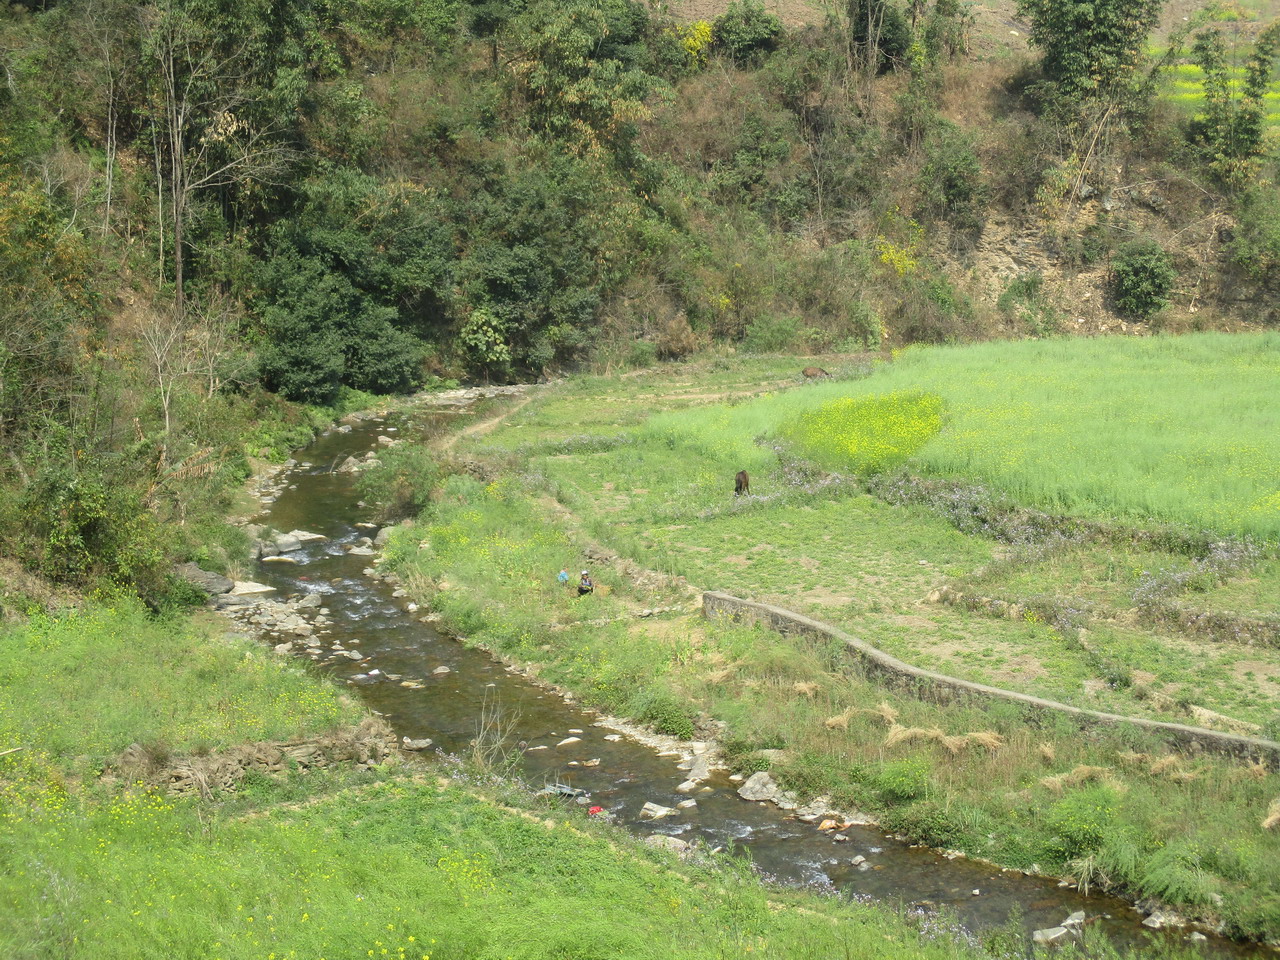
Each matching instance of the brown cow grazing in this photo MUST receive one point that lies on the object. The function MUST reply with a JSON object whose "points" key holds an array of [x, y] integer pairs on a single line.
{"points": [[814, 373], [742, 484]]}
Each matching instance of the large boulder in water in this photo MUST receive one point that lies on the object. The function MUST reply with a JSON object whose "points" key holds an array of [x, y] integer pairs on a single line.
{"points": [[759, 786]]}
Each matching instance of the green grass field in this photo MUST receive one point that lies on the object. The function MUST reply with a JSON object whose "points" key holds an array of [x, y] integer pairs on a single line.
{"points": [[1182, 430]]}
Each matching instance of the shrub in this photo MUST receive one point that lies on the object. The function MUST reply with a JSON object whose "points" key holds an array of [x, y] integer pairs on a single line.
{"points": [[676, 339], [1023, 301], [746, 32], [951, 179], [667, 715], [930, 310], [402, 483], [1079, 821], [771, 334], [1255, 245], [926, 822], [904, 779], [1142, 276]]}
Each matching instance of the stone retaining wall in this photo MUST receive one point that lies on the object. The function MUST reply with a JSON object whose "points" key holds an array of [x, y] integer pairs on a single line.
{"points": [[939, 687]]}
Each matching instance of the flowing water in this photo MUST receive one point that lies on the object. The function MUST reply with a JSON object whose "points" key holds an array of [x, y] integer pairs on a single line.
{"points": [[448, 708]]}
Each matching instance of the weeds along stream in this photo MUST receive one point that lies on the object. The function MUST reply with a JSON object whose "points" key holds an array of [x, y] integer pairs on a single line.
{"points": [[556, 742]]}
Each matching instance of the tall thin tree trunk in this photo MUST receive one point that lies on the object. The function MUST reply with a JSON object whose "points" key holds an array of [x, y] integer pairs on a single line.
{"points": [[111, 153], [155, 141]]}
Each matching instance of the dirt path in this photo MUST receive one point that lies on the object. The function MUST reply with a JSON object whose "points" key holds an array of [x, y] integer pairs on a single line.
{"points": [[485, 426]]}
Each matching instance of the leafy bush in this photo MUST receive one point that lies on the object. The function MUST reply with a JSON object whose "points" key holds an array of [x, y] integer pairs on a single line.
{"points": [[1023, 300], [772, 334], [1142, 276], [951, 179], [1079, 821], [904, 779], [746, 32], [402, 483], [925, 821], [881, 27], [667, 714], [930, 310], [1255, 244]]}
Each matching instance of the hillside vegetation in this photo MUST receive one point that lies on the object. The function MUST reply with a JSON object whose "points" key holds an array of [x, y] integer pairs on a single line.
{"points": [[224, 210]]}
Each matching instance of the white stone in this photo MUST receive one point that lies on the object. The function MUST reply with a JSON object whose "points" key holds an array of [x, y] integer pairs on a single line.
{"points": [[655, 811], [568, 740], [246, 587], [759, 786], [1049, 935]]}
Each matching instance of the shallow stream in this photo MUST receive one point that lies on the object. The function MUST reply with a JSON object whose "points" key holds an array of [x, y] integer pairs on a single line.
{"points": [[447, 709]]}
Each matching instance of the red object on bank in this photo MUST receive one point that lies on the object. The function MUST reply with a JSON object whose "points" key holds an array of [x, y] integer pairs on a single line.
{"points": [[596, 811]]}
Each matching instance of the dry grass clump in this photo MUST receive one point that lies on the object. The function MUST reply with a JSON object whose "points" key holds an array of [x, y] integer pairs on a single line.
{"points": [[1168, 766], [805, 689], [882, 710], [953, 743], [840, 721], [1165, 764], [1257, 770], [1047, 752], [900, 734], [1078, 775], [1214, 720], [1273, 816]]}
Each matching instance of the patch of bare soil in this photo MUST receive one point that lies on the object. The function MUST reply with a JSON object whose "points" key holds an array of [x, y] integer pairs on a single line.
{"points": [[793, 13], [20, 588], [1260, 670]]}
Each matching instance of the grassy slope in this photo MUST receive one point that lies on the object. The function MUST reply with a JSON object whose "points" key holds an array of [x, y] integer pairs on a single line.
{"points": [[658, 490], [330, 864]]}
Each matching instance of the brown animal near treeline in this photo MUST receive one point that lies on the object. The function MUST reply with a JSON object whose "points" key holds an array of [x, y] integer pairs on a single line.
{"points": [[814, 373], [742, 484]]}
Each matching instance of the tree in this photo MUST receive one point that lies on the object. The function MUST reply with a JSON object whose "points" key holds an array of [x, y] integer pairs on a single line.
{"points": [[746, 31], [1093, 49], [202, 139], [574, 93], [1234, 120]]}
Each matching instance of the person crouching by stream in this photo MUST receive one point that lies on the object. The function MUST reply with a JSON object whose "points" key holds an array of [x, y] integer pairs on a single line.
{"points": [[585, 585]]}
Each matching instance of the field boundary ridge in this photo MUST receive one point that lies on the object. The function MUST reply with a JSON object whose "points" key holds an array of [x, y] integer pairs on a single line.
{"points": [[927, 684]]}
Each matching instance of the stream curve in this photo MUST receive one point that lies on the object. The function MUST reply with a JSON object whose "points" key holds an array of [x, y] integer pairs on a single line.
{"points": [[398, 674]]}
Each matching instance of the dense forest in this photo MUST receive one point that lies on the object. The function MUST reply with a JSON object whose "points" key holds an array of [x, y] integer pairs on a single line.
{"points": [[219, 221]]}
